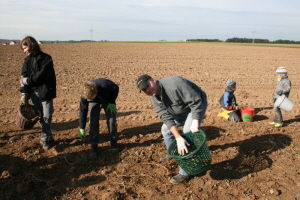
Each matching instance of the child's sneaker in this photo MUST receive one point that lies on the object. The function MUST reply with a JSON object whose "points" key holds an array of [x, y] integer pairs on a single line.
{"points": [[278, 124], [273, 123]]}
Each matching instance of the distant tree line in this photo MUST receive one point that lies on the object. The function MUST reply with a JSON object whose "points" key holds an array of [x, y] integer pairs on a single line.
{"points": [[246, 40], [204, 40], [286, 42]]}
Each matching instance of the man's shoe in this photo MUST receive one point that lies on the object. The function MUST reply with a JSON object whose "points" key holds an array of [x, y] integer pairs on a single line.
{"points": [[164, 157], [178, 178], [47, 144], [273, 123], [278, 124], [114, 146]]}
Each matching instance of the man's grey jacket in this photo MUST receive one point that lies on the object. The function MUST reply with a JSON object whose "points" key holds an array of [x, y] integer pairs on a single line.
{"points": [[178, 96]]}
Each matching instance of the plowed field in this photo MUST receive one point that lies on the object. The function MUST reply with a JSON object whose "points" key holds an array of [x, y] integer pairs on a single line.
{"points": [[251, 160]]}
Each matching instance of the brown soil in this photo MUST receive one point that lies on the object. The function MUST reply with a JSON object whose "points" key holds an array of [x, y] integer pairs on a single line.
{"points": [[249, 160]]}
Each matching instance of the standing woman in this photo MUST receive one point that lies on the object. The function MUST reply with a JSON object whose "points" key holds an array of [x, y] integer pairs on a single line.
{"points": [[38, 83]]}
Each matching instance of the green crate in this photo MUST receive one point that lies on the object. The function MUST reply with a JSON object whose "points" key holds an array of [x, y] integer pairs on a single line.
{"points": [[198, 160]]}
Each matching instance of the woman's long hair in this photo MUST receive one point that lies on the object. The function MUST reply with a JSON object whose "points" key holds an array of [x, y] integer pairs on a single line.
{"points": [[32, 44]]}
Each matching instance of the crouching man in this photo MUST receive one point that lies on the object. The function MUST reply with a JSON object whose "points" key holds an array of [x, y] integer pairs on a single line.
{"points": [[177, 101]]}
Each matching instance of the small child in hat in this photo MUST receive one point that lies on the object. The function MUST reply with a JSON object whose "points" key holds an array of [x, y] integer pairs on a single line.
{"points": [[229, 107], [283, 87]]}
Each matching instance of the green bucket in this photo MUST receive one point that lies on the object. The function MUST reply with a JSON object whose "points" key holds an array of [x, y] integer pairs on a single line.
{"points": [[199, 158]]}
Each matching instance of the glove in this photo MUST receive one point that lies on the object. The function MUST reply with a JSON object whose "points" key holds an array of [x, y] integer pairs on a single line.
{"points": [[24, 99], [280, 92], [181, 144], [195, 126], [112, 108], [82, 133]]}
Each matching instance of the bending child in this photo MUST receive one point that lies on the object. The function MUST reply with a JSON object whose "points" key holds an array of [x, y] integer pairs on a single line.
{"points": [[97, 94]]}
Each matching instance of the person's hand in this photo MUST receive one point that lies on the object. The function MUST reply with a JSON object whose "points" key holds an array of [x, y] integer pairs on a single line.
{"points": [[195, 126], [181, 144], [112, 108], [24, 99], [237, 107], [82, 133], [280, 92], [23, 81]]}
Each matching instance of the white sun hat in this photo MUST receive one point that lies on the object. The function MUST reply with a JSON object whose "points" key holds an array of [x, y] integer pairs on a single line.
{"points": [[281, 71]]}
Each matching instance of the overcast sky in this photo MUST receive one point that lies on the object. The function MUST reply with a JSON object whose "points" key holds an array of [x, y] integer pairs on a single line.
{"points": [[149, 20]]}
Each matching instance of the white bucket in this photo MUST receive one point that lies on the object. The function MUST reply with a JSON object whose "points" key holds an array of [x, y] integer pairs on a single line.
{"points": [[284, 103]]}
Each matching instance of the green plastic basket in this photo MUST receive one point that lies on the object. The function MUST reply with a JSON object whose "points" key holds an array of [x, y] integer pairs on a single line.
{"points": [[198, 160]]}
